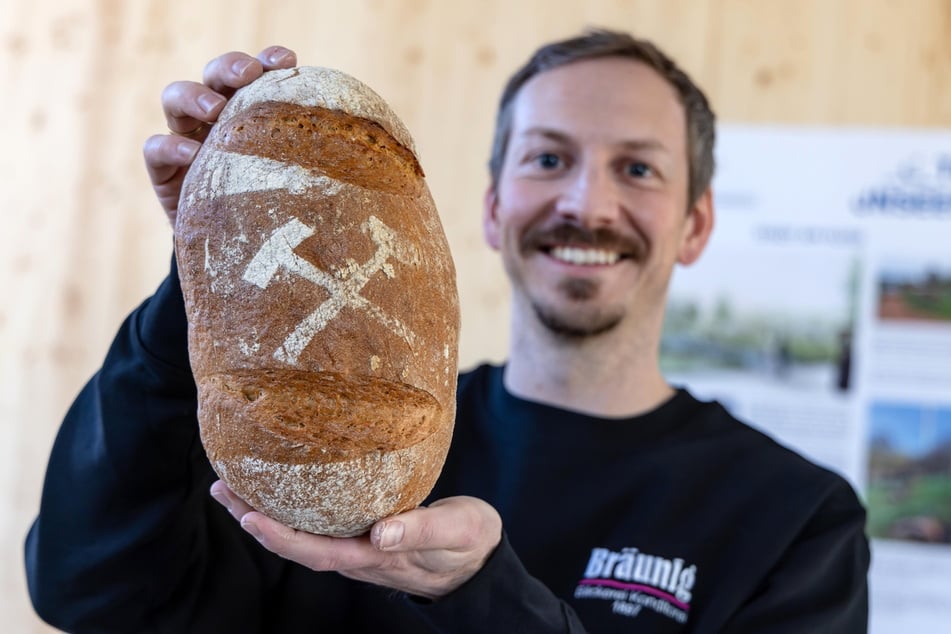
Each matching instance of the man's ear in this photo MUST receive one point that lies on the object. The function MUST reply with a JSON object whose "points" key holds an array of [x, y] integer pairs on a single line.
{"points": [[490, 219], [697, 229]]}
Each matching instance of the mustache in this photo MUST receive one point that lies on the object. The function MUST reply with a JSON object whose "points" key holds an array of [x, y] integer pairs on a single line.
{"points": [[572, 235]]}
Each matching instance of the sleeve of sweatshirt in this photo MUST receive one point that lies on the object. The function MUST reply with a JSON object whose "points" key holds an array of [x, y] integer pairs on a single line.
{"points": [[501, 597], [127, 537], [820, 583]]}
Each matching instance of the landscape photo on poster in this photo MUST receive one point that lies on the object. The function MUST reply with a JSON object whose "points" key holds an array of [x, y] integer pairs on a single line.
{"points": [[916, 291], [909, 471], [758, 316]]}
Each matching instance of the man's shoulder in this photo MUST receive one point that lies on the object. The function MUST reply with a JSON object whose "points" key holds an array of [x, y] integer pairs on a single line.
{"points": [[764, 452]]}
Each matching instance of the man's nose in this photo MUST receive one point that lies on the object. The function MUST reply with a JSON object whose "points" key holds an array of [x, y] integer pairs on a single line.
{"points": [[590, 197]]}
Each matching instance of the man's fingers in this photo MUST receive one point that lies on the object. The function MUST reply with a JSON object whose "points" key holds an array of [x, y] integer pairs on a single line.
{"points": [[277, 57], [454, 524], [317, 552], [231, 71], [167, 158], [164, 154], [190, 108], [226, 497], [226, 73], [188, 104]]}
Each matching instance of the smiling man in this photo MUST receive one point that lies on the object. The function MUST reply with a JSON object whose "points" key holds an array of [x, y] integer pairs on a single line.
{"points": [[591, 209], [582, 492]]}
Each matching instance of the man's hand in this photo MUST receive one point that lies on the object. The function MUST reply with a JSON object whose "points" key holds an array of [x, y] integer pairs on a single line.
{"points": [[191, 107], [428, 551]]}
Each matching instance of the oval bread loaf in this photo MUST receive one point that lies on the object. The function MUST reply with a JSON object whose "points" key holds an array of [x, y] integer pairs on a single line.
{"points": [[322, 306]]}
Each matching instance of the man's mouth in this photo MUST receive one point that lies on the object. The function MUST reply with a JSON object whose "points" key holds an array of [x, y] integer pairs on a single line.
{"points": [[583, 256], [580, 246]]}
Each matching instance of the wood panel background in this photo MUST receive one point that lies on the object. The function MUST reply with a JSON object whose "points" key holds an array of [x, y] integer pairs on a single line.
{"points": [[83, 241]]}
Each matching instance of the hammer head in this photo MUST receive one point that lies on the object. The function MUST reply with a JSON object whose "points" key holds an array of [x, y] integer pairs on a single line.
{"points": [[276, 252]]}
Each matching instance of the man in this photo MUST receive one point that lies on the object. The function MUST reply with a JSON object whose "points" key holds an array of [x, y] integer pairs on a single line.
{"points": [[581, 493]]}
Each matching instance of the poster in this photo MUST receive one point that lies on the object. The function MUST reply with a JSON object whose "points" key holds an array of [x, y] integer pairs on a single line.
{"points": [[821, 314]]}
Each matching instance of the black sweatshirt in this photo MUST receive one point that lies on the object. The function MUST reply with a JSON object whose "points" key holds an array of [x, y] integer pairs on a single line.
{"points": [[680, 520]]}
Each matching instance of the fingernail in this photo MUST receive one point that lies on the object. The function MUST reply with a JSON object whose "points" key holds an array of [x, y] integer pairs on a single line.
{"points": [[240, 66], [278, 55], [222, 499], [187, 150], [391, 535], [251, 528], [209, 102]]}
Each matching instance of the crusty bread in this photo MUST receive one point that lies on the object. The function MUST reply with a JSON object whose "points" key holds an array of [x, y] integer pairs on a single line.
{"points": [[322, 306]]}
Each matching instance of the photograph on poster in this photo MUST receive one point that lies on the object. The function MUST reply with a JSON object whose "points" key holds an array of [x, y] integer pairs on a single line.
{"points": [[909, 472], [763, 316], [916, 292]]}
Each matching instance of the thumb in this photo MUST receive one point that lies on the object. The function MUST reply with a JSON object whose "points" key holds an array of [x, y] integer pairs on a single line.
{"points": [[456, 524], [388, 534]]}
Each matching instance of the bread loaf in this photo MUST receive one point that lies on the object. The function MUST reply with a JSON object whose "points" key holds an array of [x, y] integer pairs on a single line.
{"points": [[321, 300]]}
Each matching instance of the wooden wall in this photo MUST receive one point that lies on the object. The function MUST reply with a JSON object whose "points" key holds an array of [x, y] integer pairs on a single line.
{"points": [[83, 242]]}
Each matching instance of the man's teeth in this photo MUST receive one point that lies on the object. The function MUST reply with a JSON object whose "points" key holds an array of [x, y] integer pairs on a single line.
{"points": [[574, 255]]}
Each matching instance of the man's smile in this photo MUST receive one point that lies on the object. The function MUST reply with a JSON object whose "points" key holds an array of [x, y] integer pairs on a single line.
{"points": [[580, 246], [584, 256]]}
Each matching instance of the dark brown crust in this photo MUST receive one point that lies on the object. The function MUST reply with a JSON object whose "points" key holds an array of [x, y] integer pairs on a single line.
{"points": [[298, 417], [334, 143]]}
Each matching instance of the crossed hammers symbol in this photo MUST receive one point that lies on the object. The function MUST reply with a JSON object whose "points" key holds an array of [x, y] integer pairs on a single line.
{"points": [[344, 287]]}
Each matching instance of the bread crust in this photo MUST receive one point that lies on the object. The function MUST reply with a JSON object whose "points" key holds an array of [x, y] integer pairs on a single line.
{"points": [[322, 304]]}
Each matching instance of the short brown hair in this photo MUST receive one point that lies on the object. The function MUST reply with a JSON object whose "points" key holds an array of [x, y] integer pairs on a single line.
{"points": [[595, 43]]}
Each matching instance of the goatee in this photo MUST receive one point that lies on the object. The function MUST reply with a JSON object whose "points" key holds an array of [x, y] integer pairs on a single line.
{"points": [[576, 323], [575, 319]]}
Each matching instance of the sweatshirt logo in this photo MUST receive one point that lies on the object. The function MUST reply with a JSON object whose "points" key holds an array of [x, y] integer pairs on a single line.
{"points": [[633, 580]]}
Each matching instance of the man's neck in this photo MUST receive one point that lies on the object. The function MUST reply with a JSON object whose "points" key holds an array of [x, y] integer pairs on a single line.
{"points": [[613, 374]]}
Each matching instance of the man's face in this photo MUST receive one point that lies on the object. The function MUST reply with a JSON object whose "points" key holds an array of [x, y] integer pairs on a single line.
{"points": [[590, 210]]}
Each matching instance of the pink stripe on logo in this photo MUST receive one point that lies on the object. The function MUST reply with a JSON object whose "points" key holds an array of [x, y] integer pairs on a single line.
{"points": [[640, 588]]}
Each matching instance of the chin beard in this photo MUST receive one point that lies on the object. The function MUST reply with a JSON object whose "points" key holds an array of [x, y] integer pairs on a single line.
{"points": [[577, 322]]}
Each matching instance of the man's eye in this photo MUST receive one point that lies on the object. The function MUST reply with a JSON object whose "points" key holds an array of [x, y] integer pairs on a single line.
{"points": [[638, 169], [548, 161]]}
